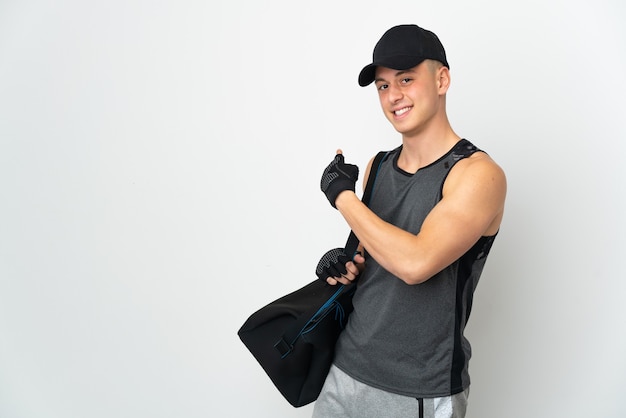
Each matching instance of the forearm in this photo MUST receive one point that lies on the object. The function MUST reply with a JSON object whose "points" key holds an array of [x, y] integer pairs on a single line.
{"points": [[398, 251]]}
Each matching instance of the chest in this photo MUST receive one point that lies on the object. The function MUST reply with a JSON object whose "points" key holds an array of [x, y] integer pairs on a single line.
{"points": [[405, 200]]}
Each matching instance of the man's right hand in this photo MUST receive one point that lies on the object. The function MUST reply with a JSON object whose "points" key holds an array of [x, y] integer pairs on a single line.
{"points": [[338, 177]]}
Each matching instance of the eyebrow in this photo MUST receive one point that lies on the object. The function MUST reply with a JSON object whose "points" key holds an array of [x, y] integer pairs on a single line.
{"points": [[397, 74]]}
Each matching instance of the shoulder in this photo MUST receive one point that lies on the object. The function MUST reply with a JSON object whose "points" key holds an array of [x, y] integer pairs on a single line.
{"points": [[478, 171], [385, 155], [475, 192], [478, 164]]}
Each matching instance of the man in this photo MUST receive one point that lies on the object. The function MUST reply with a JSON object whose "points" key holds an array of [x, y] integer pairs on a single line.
{"points": [[435, 210]]}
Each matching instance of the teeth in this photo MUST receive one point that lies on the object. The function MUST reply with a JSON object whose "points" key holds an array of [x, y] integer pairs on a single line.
{"points": [[402, 111]]}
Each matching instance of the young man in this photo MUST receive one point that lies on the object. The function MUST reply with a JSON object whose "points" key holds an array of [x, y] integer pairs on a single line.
{"points": [[435, 210]]}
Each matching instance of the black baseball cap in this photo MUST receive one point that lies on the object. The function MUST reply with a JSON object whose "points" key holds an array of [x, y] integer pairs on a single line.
{"points": [[403, 47]]}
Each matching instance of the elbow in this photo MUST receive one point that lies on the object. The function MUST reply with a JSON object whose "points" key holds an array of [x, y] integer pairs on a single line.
{"points": [[419, 269], [413, 275], [413, 269]]}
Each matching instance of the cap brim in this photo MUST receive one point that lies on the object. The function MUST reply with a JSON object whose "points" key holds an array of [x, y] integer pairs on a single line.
{"points": [[367, 75], [402, 62]]}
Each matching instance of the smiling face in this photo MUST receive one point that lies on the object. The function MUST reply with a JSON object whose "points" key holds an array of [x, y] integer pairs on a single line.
{"points": [[412, 99]]}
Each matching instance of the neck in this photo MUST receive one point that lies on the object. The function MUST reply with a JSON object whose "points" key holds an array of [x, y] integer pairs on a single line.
{"points": [[423, 148]]}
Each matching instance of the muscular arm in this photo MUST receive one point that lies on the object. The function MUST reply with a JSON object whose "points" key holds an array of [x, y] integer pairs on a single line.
{"points": [[472, 206]]}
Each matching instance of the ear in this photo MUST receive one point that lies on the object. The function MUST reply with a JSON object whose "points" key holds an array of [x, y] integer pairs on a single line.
{"points": [[443, 79]]}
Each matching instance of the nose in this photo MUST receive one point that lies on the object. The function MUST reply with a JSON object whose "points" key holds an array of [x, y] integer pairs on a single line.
{"points": [[394, 93]]}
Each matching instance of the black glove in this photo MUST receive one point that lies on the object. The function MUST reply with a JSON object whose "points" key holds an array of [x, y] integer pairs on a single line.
{"points": [[338, 177], [332, 264]]}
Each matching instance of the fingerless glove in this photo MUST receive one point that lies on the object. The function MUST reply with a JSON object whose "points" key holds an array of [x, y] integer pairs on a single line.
{"points": [[332, 264], [338, 177]]}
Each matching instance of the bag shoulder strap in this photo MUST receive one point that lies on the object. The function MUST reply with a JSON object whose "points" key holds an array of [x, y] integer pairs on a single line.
{"points": [[352, 244], [310, 318]]}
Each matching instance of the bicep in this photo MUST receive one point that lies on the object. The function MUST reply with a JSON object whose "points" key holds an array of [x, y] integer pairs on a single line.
{"points": [[472, 206]]}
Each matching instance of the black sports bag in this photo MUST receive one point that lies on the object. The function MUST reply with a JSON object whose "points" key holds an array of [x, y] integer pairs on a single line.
{"points": [[293, 338]]}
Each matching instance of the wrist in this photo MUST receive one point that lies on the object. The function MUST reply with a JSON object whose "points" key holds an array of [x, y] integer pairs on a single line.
{"points": [[344, 198]]}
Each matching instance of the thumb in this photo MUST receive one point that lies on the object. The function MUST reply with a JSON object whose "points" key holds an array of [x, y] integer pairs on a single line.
{"points": [[358, 258]]}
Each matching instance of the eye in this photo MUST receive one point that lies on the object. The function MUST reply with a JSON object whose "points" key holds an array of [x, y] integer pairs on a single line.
{"points": [[382, 87], [406, 80]]}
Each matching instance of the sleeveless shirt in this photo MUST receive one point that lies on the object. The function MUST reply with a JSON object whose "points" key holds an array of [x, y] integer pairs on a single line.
{"points": [[408, 339]]}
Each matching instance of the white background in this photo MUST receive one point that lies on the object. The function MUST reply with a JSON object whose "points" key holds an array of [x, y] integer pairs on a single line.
{"points": [[159, 174]]}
